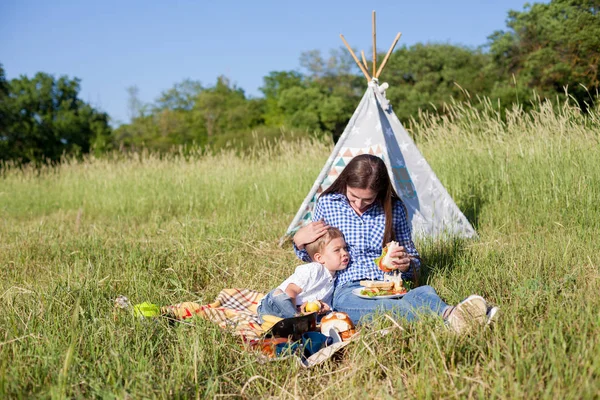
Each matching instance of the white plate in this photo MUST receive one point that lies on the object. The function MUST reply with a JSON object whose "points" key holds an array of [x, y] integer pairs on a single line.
{"points": [[357, 291]]}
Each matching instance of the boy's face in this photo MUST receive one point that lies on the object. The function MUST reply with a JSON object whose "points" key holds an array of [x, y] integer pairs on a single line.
{"points": [[335, 256]]}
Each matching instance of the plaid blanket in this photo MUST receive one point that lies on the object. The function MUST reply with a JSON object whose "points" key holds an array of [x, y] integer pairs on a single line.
{"points": [[234, 309]]}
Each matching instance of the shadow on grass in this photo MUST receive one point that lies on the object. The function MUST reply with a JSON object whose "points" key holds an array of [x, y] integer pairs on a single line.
{"points": [[439, 257], [472, 204]]}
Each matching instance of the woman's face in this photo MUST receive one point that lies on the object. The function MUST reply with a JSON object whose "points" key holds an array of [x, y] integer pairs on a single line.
{"points": [[360, 199]]}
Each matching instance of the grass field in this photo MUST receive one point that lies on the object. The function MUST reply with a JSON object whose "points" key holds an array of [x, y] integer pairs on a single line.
{"points": [[179, 228]]}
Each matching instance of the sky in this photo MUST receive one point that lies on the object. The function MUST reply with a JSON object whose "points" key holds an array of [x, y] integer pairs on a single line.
{"points": [[153, 44]]}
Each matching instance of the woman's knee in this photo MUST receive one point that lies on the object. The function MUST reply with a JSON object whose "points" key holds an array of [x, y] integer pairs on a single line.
{"points": [[425, 289]]}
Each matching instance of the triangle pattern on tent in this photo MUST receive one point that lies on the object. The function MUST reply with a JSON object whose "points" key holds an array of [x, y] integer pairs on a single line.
{"points": [[375, 129]]}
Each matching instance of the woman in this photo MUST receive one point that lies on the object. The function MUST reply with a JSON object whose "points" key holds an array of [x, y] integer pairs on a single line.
{"points": [[363, 204]]}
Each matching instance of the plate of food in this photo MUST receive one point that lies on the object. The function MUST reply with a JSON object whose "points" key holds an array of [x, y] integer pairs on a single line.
{"points": [[379, 290]]}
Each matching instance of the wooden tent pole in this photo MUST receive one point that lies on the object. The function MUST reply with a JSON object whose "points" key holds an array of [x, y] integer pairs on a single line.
{"points": [[364, 71], [364, 60], [374, 45], [388, 55]]}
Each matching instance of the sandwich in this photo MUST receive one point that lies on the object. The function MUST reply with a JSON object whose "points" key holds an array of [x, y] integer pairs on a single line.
{"points": [[384, 262], [382, 285], [395, 279], [393, 285]]}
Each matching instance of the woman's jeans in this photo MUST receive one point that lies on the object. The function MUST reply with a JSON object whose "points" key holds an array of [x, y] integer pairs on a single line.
{"points": [[418, 301], [279, 305]]}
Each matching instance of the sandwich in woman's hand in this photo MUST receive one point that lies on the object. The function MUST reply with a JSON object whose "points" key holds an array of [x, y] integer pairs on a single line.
{"points": [[384, 262]]}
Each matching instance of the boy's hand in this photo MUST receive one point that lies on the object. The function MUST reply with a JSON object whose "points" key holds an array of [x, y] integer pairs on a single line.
{"points": [[303, 308], [324, 308]]}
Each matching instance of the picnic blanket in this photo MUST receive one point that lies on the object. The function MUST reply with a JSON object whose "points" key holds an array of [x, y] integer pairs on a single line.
{"points": [[233, 309], [236, 311]]}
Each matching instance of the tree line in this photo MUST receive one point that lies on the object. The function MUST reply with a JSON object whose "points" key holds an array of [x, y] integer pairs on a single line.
{"points": [[547, 51]]}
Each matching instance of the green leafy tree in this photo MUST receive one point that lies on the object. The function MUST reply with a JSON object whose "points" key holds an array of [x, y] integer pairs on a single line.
{"points": [[182, 96], [549, 47], [4, 110], [189, 113], [173, 114], [320, 100], [301, 107], [274, 84], [338, 63], [46, 119], [224, 107], [425, 76], [136, 107], [167, 123]]}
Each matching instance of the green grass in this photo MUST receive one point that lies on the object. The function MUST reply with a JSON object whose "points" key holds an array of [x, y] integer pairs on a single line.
{"points": [[182, 227]]}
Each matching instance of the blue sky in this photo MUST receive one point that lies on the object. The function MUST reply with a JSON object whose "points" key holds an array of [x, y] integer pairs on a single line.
{"points": [[154, 44]]}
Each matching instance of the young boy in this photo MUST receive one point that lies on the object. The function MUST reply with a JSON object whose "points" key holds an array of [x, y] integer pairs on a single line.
{"points": [[310, 282]]}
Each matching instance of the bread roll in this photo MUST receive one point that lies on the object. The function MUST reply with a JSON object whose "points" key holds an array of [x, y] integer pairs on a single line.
{"points": [[340, 322]]}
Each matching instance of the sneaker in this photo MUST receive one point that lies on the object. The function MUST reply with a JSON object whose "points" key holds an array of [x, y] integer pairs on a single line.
{"points": [[469, 312], [491, 315]]}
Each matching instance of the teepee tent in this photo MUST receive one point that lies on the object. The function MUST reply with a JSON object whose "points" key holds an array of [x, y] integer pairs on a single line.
{"points": [[375, 129]]}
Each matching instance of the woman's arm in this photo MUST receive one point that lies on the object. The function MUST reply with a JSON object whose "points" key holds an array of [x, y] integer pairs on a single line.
{"points": [[301, 253], [310, 233], [410, 261]]}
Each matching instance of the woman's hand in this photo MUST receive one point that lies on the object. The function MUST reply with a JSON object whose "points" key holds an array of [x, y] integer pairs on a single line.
{"points": [[310, 233], [400, 259]]}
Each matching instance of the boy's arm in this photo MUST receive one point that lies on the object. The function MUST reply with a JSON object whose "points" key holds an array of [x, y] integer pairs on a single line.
{"points": [[293, 291]]}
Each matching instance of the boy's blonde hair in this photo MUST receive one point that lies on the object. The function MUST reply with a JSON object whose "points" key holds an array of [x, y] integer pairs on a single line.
{"points": [[318, 245]]}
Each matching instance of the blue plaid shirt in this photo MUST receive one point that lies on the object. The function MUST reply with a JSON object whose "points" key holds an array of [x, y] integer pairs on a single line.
{"points": [[364, 236]]}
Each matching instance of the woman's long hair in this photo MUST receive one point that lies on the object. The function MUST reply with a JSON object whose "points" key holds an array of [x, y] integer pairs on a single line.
{"points": [[367, 171]]}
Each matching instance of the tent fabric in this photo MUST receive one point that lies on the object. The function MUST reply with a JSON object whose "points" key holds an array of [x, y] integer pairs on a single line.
{"points": [[375, 129]]}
